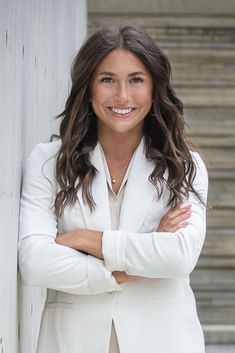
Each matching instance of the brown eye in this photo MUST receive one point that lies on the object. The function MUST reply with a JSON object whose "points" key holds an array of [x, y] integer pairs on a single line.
{"points": [[107, 80], [136, 80]]}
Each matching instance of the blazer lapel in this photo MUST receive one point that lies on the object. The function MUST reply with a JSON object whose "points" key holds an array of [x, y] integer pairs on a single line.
{"points": [[99, 218], [139, 192], [138, 196]]}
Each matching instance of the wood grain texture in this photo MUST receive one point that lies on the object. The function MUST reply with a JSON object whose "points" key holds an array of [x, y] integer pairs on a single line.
{"points": [[10, 155], [37, 44]]}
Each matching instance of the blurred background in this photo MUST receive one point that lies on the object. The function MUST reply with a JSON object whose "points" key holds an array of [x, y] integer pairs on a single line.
{"points": [[38, 40]]}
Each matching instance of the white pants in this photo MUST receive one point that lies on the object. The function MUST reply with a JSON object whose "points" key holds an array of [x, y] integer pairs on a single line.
{"points": [[113, 348]]}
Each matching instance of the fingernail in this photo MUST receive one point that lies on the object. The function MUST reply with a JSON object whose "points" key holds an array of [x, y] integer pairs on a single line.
{"points": [[188, 206]]}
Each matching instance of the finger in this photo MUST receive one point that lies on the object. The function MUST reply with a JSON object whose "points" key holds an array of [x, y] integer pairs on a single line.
{"points": [[176, 219], [179, 219], [173, 209], [178, 204], [177, 212], [178, 226]]}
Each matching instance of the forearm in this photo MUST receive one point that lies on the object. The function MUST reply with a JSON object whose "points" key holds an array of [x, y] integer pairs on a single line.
{"points": [[84, 240], [90, 242], [44, 263], [156, 254]]}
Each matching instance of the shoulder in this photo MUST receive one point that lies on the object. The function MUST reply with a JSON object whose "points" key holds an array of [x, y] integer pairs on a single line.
{"points": [[201, 175], [45, 151], [198, 161], [41, 162]]}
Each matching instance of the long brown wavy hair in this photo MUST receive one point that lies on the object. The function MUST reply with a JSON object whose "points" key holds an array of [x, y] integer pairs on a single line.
{"points": [[164, 126]]}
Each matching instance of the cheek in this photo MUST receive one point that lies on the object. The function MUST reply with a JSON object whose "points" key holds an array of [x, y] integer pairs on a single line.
{"points": [[99, 97], [97, 109], [144, 96], [97, 101], [146, 100]]}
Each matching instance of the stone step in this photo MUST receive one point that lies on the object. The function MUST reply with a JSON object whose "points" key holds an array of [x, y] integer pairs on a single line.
{"points": [[213, 279], [203, 97], [219, 246], [175, 8], [188, 38], [216, 298], [210, 121], [214, 314], [217, 262], [219, 159], [199, 55], [221, 218], [215, 141], [98, 16], [221, 174], [220, 334], [220, 348], [222, 194], [207, 75], [175, 37]]}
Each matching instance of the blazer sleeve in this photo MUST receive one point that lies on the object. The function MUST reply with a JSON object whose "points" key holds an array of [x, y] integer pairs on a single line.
{"points": [[42, 262], [162, 254]]}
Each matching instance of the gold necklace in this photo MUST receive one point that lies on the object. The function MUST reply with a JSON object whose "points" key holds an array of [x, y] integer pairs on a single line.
{"points": [[113, 180]]}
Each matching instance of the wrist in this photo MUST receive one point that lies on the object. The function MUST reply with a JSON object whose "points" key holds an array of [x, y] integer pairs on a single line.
{"points": [[76, 240], [90, 241], [81, 240], [69, 239]]}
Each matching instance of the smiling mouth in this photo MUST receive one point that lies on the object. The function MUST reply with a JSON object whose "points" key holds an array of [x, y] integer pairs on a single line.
{"points": [[121, 111]]}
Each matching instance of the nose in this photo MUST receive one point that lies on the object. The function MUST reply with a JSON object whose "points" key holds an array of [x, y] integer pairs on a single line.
{"points": [[121, 94]]}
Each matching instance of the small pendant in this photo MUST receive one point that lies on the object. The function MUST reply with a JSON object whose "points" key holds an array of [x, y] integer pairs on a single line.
{"points": [[113, 180]]}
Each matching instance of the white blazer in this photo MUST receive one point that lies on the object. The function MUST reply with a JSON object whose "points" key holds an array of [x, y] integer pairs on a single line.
{"points": [[156, 314]]}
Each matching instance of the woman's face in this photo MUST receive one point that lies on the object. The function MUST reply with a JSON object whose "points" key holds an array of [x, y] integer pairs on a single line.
{"points": [[121, 91]]}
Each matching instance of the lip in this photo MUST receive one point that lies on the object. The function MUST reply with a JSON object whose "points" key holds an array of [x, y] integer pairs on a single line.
{"points": [[121, 116]]}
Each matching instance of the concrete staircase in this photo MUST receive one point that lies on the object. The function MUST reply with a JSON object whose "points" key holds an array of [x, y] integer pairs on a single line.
{"points": [[200, 42], [220, 348]]}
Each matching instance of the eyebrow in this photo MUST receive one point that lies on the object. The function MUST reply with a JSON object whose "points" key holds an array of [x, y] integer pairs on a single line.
{"points": [[136, 73]]}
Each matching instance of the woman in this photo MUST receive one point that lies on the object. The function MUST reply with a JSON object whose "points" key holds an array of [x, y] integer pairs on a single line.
{"points": [[113, 213]]}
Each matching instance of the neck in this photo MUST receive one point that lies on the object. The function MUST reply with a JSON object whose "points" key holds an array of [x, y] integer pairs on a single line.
{"points": [[119, 146]]}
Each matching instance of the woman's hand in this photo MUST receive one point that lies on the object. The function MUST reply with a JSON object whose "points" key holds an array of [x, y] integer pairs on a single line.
{"points": [[175, 218], [122, 277]]}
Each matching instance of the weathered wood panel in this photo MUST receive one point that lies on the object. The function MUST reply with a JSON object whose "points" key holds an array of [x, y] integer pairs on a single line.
{"points": [[10, 141], [49, 48], [37, 43]]}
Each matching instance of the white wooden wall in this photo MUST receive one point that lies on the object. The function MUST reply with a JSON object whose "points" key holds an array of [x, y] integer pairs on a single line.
{"points": [[38, 39]]}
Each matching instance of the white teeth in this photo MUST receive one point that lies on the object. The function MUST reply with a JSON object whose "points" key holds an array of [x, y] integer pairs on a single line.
{"points": [[122, 111]]}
